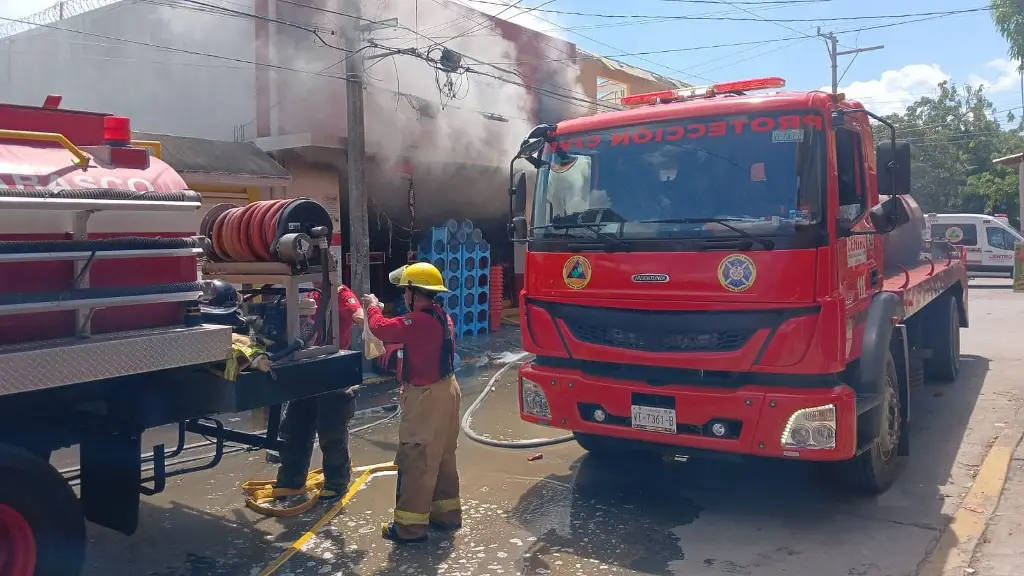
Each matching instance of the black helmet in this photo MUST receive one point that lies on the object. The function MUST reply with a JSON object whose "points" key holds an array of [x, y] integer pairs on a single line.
{"points": [[218, 297]]}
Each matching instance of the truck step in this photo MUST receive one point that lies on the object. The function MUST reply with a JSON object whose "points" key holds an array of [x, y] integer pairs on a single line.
{"points": [[30, 367], [866, 402]]}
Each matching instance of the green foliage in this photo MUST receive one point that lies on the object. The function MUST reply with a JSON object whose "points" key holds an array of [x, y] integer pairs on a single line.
{"points": [[954, 137], [1008, 16]]}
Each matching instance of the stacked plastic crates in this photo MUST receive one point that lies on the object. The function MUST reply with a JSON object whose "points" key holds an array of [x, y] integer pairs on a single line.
{"points": [[464, 258]]}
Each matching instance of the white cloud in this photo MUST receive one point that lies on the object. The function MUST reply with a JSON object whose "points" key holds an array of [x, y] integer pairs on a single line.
{"points": [[1005, 75], [894, 90], [23, 8]]}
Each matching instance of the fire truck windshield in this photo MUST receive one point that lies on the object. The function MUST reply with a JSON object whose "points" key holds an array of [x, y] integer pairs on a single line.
{"points": [[760, 175]]}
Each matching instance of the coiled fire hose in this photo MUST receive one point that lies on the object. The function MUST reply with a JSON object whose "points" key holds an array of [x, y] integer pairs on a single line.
{"points": [[467, 420], [246, 233], [262, 497]]}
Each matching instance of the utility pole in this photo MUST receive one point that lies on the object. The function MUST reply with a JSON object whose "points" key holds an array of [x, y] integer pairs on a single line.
{"points": [[359, 233], [832, 43]]}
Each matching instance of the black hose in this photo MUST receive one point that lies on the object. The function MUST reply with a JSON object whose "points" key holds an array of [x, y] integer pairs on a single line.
{"points": [[104, 194], [107, 245], [99, 293]]}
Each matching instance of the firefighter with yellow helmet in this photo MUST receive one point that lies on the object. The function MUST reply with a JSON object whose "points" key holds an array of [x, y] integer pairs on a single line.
{"points": [[428, 479]]}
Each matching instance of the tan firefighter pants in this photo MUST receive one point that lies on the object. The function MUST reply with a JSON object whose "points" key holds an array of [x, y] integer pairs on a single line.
{"points": [[428, 480]]}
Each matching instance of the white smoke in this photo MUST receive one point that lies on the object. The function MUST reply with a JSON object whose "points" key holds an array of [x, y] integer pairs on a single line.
{"points": [[415, 111]]}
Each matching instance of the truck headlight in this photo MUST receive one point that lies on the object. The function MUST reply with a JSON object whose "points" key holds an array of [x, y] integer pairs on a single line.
{"points": [[811, 429], [535, 402]]}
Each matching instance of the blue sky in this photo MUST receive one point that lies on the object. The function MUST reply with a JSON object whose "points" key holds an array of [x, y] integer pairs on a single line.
{"points": [[964, 48]]}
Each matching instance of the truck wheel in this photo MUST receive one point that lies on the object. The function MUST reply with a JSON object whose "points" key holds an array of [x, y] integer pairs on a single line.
{"points": [[943, 329], [42, 529], [875, 470]]}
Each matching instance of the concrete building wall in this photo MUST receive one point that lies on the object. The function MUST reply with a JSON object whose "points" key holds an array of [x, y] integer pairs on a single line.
{"points": [[115, 59], [600, 76]]}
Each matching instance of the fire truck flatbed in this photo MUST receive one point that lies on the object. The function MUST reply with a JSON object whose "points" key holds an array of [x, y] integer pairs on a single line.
{"points": [[102, 334], [919, 285]]}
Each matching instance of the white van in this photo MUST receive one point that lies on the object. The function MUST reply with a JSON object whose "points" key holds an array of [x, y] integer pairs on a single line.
{"points": [[989, 242]]}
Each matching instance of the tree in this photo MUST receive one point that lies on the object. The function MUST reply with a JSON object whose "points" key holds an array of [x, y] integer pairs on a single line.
{"points": [[1008, 16], [954, 137]]}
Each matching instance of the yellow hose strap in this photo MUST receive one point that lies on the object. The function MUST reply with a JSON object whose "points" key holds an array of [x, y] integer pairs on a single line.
{"points": [[411, 518], [366, 473], [260, 493], [449, 505]]}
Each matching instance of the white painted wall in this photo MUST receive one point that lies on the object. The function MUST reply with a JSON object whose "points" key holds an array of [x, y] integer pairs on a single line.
{"points": [[96, 66]]}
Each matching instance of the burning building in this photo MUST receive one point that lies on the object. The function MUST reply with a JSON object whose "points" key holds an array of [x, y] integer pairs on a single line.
{"points": [[449, 93]]}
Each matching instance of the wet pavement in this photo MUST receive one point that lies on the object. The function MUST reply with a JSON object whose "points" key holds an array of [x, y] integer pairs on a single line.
{"points": [[572, 514]]}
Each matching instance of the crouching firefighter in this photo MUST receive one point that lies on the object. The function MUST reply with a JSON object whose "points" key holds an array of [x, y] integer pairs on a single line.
{"points": [[428, 479], [325, 416]]}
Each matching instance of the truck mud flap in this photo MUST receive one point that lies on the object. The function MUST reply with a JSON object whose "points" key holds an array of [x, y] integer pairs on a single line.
{"points": [[878, 328], [110, 470]]}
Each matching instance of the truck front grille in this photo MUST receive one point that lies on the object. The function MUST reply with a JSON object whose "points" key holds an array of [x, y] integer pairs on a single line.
{"points": [[660, 340]]}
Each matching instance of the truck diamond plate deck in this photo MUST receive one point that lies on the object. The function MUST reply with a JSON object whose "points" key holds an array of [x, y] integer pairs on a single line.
{"points": [[41, 365]]}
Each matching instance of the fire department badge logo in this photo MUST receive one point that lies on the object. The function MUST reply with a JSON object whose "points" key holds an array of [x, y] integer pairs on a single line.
{"points": [[576, 272], [736, 272]]}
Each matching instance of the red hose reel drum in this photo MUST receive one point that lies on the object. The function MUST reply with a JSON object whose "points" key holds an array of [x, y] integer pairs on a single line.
{"points": [[254, 233]]}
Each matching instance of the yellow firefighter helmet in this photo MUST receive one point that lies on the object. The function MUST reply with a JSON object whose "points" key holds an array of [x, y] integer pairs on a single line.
{"points": [[422, 275]]}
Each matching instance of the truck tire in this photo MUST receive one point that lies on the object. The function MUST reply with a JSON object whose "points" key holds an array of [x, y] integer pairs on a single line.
{"points": [[874, 471], [942, 327], [35, 499]]}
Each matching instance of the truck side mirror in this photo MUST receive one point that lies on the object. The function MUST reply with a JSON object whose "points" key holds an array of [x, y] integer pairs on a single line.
{"points": [[889, 215], [519, 229], [519, 192], [893, 164]]}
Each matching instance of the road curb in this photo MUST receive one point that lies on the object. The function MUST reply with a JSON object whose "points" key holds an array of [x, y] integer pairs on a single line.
{"points": [[959, 541]]}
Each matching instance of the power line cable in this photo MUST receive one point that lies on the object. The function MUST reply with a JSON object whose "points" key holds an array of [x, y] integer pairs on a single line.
{"points": [[736, 19]]}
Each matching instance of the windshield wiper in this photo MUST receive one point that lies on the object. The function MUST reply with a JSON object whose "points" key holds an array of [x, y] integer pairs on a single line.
{"points": [[609, 240], [764, 242]]}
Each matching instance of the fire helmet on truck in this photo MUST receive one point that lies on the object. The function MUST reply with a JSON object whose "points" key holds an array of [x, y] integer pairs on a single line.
{"points": [[218, 297]]}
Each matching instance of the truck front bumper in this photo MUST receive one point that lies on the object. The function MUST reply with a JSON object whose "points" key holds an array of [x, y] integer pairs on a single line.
{"points": [[769, 421]]}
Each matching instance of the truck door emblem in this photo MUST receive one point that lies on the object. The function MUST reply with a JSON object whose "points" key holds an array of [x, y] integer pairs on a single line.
{"points": [[954, 234], [576, 272], [650, 278], [737, 273]]}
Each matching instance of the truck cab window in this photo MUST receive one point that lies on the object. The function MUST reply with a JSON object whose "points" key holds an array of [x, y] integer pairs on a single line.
{"points": [[997, 238], [850, 173]]}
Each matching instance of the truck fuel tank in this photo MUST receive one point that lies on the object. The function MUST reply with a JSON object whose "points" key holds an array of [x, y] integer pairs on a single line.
{"points": [[903, 245]]}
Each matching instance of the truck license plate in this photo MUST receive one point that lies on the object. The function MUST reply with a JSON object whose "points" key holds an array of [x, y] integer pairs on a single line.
{"points": [[654, 419]]}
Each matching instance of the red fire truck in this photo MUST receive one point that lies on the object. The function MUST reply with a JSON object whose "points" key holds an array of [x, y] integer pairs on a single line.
{"points": [[713, 271]]}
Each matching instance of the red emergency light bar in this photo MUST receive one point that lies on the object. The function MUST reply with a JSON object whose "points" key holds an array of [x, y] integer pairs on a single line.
{"points": [[117, 131], [682, 94]]}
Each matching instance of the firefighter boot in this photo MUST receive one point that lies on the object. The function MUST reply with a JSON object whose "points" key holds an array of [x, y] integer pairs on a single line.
{"points": [[334, 412]]}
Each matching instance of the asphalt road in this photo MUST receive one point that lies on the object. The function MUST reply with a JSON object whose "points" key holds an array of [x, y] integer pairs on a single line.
{"points": [[567, 514]]}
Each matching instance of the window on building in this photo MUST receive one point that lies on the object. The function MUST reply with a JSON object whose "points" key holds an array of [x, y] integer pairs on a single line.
{"points": [[610, 91]]}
